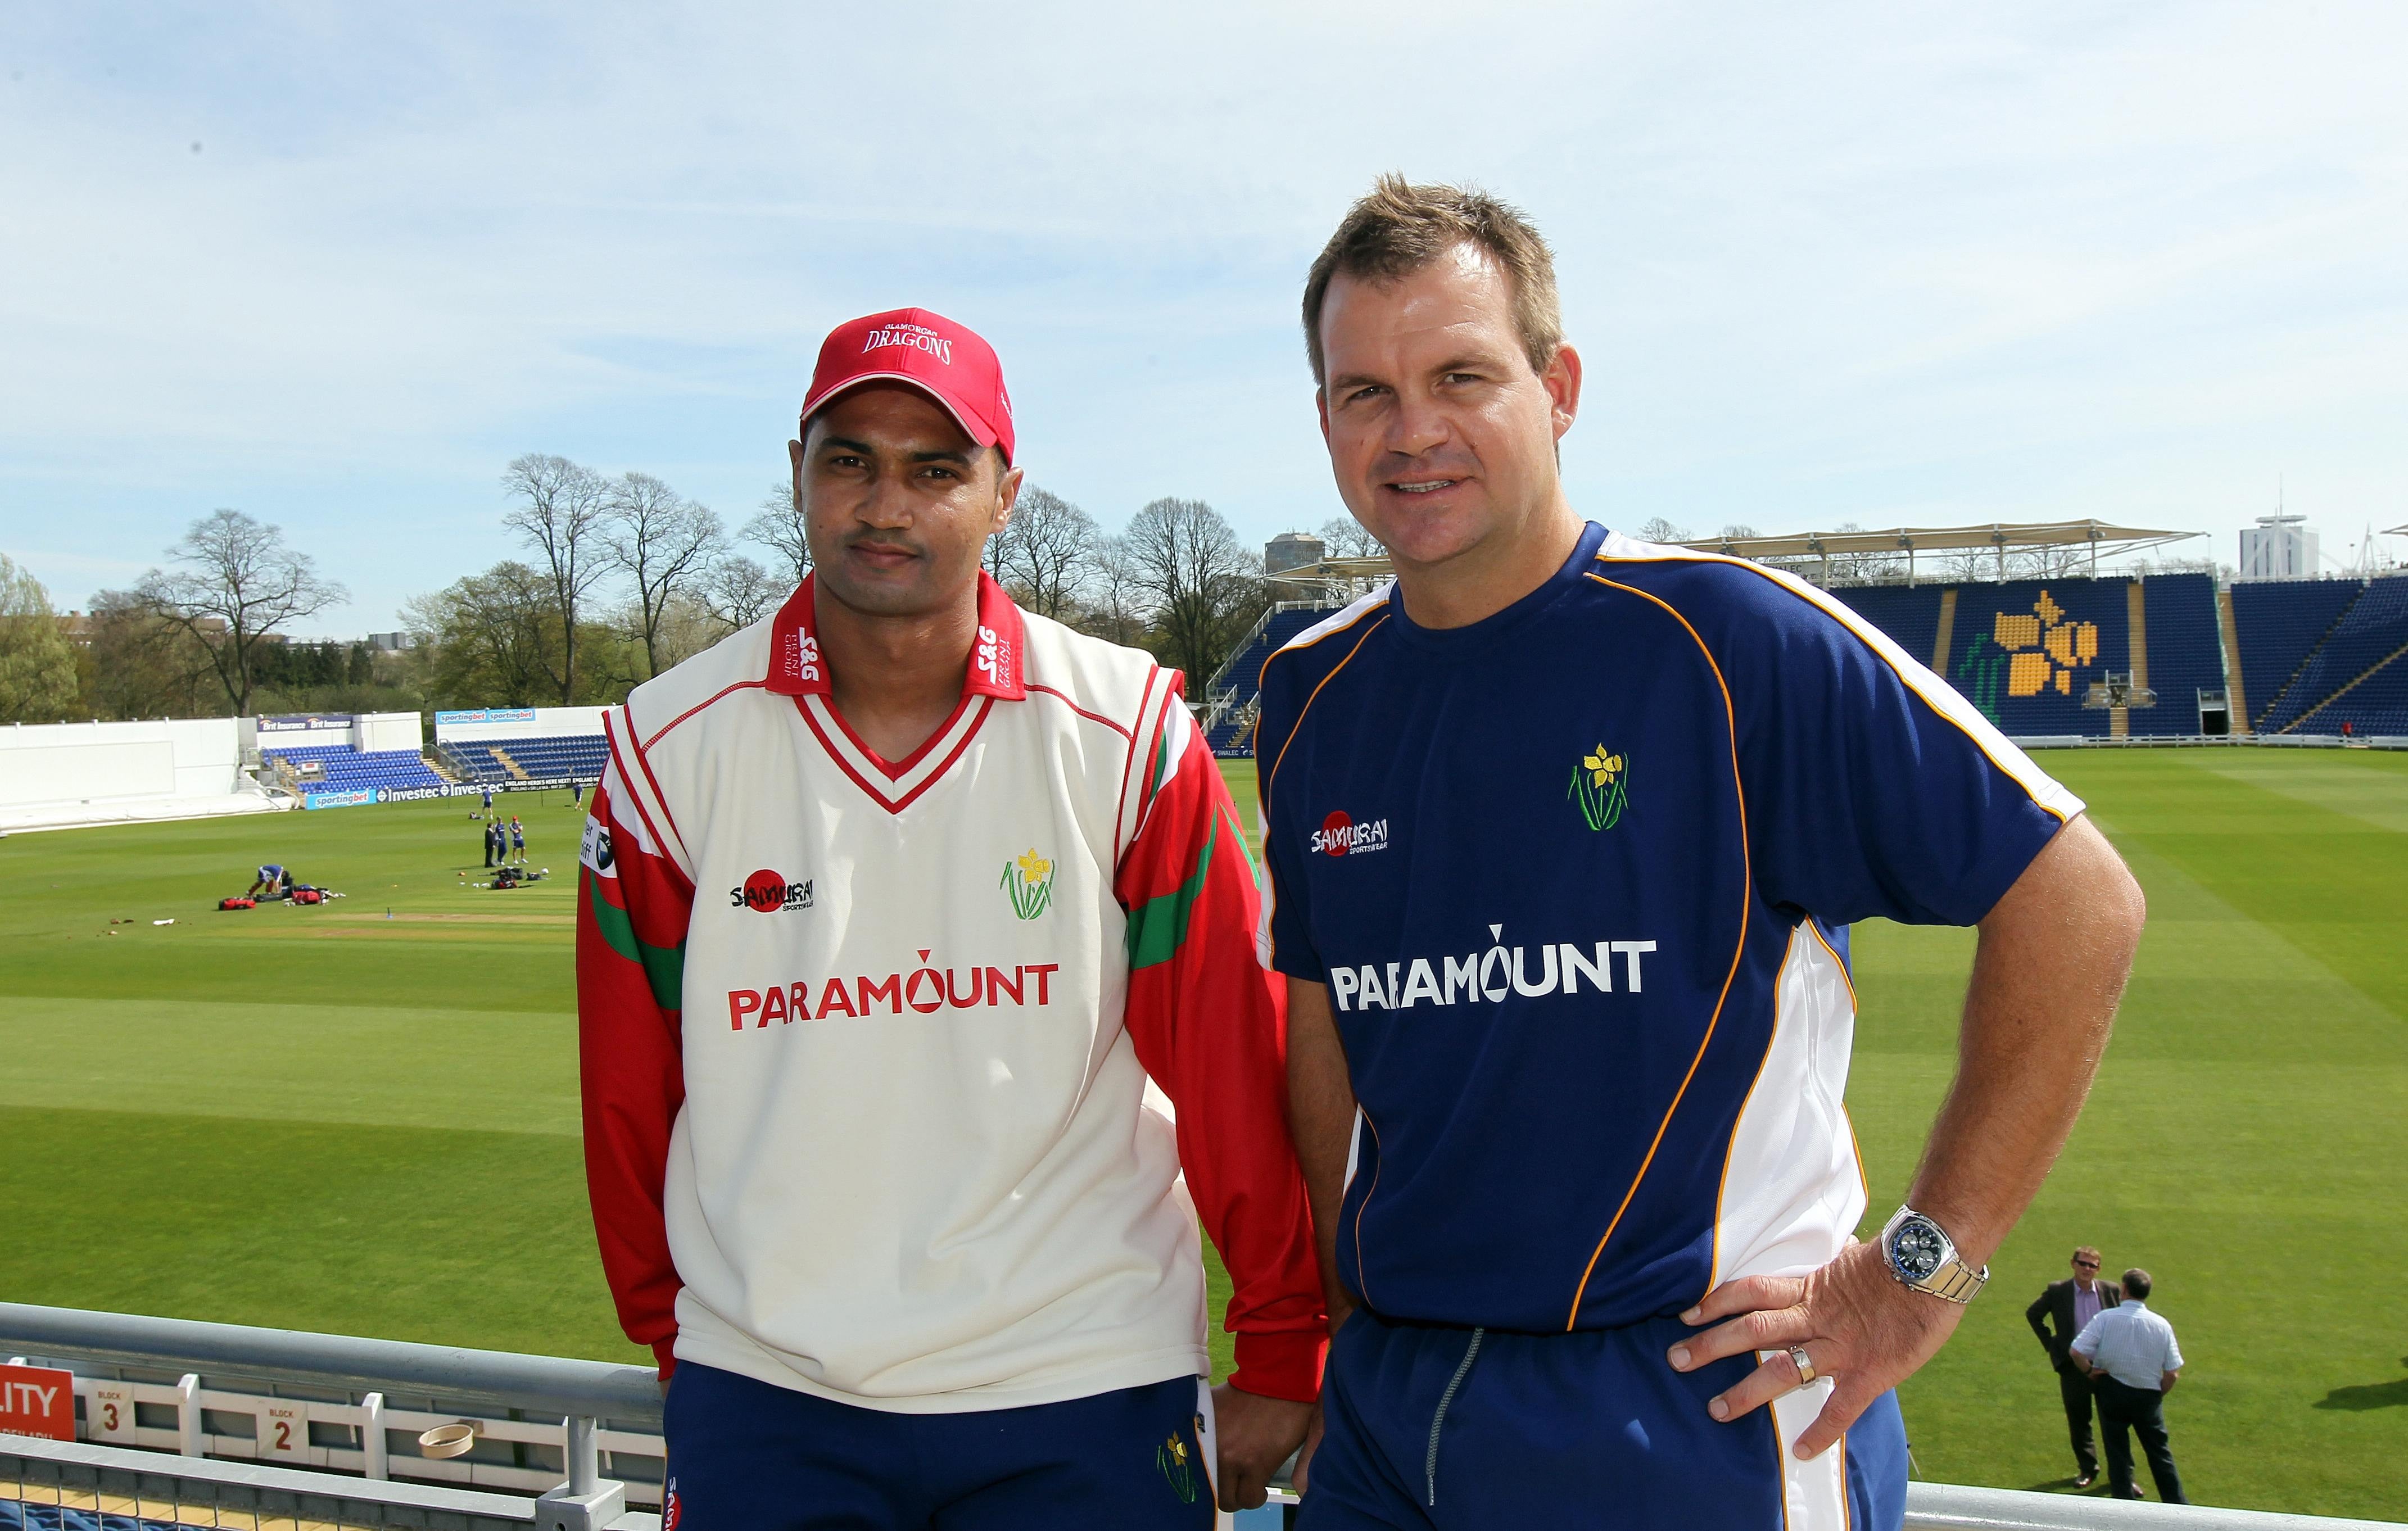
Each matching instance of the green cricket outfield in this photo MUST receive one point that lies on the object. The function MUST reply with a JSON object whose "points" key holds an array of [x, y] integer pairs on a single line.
{"points": [[362, 1118]]}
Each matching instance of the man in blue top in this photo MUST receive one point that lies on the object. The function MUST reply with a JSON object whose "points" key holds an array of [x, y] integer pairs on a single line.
{"points": [[1564, 832]]}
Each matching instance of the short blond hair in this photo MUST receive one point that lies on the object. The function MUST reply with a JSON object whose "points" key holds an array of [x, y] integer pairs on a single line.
{"points": [[1398, 227]]}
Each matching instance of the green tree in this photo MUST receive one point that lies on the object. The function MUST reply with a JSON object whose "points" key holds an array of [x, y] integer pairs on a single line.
{"points": [[136, 663], [37, 670]]}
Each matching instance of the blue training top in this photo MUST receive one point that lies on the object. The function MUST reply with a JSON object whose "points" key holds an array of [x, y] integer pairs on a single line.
{"points": [[1578, 877]]}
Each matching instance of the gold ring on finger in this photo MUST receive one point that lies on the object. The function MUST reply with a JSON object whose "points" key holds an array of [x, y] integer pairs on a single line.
{"points": [[1806, 1372]]}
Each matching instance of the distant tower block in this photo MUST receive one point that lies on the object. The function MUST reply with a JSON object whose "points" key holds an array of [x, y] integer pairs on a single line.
{"points": [[1288, 552], [2279, 547]]}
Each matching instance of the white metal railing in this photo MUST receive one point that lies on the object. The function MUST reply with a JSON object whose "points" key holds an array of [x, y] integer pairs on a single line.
{"points": [[528, 1410], [1218, 686], [2193, 741], [589, 1412]]}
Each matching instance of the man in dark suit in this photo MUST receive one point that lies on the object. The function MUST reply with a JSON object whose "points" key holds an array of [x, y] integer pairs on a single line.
{"points": [[2067, 1305]]}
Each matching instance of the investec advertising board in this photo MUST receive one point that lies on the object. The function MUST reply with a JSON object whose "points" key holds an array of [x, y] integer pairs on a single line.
{"points": [[419, 795]]}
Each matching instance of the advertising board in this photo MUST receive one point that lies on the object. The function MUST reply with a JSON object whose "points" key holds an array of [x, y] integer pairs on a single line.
{"points": [[308, 722], [472, 789], [487, 715], [37, 1401], [353, 798]]}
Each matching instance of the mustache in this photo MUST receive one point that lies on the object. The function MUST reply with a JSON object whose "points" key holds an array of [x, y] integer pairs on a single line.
{"points": [[1395, 466]]}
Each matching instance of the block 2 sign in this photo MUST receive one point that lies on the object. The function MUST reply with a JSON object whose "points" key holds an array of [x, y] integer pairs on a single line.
{"points": [[37, 1401]]}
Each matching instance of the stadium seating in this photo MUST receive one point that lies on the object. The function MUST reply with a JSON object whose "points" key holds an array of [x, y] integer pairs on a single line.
{"points": [[2374, 628], [2277, 624], [346, 769], [2376, 706], [1909, 614], [1242, 677], [2185, 654], [1245, 674], [537, 756], [2026, 651]]}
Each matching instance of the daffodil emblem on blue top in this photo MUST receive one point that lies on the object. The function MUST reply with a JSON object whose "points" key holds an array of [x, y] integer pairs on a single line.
{"points": [[1601, 785]]}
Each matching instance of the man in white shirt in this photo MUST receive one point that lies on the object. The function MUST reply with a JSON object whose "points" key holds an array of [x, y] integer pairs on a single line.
{"points": [[2132, 1354], [917, 1249]]}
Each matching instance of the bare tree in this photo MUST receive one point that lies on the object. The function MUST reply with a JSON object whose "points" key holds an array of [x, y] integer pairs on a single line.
{"points": [[2063, 561], [663, 541], [739, 592], [1967, 566], [1204, 585], [1656, 529], [1344, 537], [37, 670], [778, 526], [1862, 569], [561, 514], [1046, 555], [237, 585], [1115, 606]]}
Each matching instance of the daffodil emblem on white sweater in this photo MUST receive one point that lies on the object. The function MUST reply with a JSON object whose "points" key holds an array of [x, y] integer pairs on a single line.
{"points": [[1028, 882]]}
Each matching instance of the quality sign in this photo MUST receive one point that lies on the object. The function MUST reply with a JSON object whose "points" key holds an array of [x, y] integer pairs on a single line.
{"points": [[37, 1401]]}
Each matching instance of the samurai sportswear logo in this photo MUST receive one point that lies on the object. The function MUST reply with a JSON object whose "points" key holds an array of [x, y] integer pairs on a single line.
{"points": [[1171, 1457], [1028, 882], [1601, 785], [1340, 835], [766, 892], [672, 1510]]}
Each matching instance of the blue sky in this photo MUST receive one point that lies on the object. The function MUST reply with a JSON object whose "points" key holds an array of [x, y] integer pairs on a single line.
{"points": [[1884, 264]]}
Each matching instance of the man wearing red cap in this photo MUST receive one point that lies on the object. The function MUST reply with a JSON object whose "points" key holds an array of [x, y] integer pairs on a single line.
{"points": [[906, 919]]}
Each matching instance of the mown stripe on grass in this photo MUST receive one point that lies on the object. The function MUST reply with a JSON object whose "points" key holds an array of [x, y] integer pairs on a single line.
{"points": [[370, 1066], [450, 1237], [2247, 1113]]}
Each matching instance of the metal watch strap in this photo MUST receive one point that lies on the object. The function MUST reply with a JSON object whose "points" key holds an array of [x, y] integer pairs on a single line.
{"points": [[1955, 1282]]}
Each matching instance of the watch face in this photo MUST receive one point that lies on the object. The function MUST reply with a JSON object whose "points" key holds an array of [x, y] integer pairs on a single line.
{"points": [[1918, 1248]]}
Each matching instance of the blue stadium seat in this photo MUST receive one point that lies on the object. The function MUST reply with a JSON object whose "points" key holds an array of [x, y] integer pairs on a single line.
{"points": [[2376, 707], [346, 769], [1909, 614], [540, 756], [2186, 653], [2277, 624], [1244, 676], [2026, 651], [2373, 629]]}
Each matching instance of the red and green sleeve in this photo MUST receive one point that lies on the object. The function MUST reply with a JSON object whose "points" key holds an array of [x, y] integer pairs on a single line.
{"points": [[632, 908], [1211, 1028]]}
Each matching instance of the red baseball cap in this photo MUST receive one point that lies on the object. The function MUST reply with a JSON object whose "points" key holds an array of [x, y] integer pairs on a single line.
{"points": [[946, 361]]}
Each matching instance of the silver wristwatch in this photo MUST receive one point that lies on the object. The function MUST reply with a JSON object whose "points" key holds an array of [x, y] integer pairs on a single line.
{"points": [[1920, 1255]]}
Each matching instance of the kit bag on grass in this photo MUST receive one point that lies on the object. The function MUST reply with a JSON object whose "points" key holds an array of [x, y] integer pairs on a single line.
{"points": [[237, 903]]}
